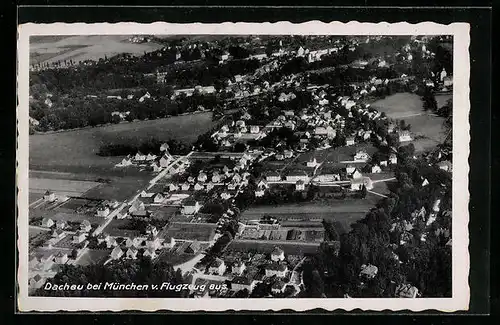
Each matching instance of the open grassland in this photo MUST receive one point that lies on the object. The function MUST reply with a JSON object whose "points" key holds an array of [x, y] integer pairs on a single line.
{"points": [[76, 151], [427, 128], [59, 186], [49, 49]]}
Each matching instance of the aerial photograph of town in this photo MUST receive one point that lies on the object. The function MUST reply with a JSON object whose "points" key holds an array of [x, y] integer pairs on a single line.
{"points": [[240, 166]]}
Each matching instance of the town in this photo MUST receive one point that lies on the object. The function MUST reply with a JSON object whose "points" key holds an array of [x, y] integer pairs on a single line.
{"points": [[324, 169]]}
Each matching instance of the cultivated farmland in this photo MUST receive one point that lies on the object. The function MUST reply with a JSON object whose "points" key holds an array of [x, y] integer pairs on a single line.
{"points": [[76, 151], [49, 49], [191, 231]]}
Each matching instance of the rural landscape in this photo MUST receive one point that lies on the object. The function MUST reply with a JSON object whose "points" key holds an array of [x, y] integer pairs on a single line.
{"points": [[241, 166]]}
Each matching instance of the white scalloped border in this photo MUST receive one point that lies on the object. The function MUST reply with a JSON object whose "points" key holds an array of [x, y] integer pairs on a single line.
{"points": [[461, 138]]}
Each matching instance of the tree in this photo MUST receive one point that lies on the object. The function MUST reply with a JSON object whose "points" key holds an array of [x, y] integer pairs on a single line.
{"points": [[331, 233], [430, 103]]}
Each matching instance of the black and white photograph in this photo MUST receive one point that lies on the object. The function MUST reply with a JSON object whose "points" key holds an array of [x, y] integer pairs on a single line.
{"points": [[261, 166]]}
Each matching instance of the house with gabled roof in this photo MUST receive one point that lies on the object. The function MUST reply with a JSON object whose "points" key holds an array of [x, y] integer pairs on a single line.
{"points": [[190, 207], [116, 253], [36, 282], [368, 271], [85, 226], [49, 196], [132, 252], [47, 222]]}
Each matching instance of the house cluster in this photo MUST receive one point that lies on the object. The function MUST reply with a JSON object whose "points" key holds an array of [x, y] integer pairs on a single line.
{"points": [[148, 244], [236, 131], [245, 272]]}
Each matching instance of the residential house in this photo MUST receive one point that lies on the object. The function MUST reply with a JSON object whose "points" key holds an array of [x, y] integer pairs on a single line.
{"points": [[393, 159], [376, 169], [243, 282], [111, 242], [193, 248], [445, 165], [102, 238], [300, 185], [60, 224], [278, 287], [61, 258], [406, 291], [150, 157], [276, 269], [153, 242], [49, 196], [368, 271], [198, 187], [288, 153], [349, 141], [169, 242], [139, 157], [173, 187], [36, 282], [47, 222], [103, 211], [132, 253], [277, 255], [350, 169], [356, 174], [383, 163], [151, 230], [254, 129], [312, 163], [202, 177], [216, 178], [116, 253], [190, 207], [166, 160], [217, 267], [297, 175], [209, 186], [133, 242], [361, 155], [273, 177], [259, 192], [136, 206], [85, 226], [158, 198], [58, 233], [225, 196], [405, 136], [79, 237], [185, 186], [238, 268], [358, 183]]}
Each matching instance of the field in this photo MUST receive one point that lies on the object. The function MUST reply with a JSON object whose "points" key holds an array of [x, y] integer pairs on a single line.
{"points": [[119, 228], [75, 151], [408, 107], [93, 256], [50, 49], [191, 231], [268, 247], [342, 213], [59, 186]]}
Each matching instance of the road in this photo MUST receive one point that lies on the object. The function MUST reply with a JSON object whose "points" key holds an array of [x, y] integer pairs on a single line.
{"points": [[189, 265], [277, 242]]}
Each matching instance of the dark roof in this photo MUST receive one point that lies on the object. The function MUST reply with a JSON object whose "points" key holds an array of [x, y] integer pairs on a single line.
{"points": [[276, 266], [297, 173], [189, 203]]}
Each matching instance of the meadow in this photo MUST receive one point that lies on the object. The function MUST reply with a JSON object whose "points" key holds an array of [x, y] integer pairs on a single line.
{"points": [[75, 151], [427, 128], [49, 49]]}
